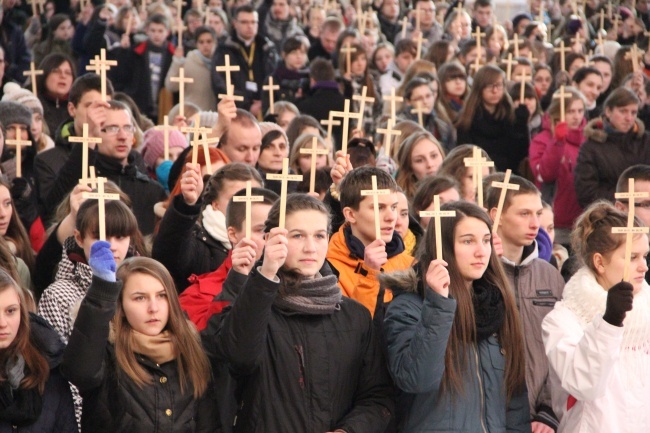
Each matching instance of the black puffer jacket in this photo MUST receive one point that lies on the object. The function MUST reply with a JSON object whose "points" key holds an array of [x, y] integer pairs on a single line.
{"points": [[112, 401], [303, 373], [604, 156], [57, 413]]}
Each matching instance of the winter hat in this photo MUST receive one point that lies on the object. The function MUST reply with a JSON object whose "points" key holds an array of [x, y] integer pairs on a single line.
{"points": [[208, 119], [624, 12], [14, 93], [14, 113], [154, 145], [573, 25]]}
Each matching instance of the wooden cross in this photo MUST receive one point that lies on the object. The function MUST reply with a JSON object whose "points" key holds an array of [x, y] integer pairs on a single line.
{"points": [[531, 59], [197, 130], [418, 17], [577, 39], [609, 10], [205, 141], [363, 98], [629, 230], [230, 89], [549, 32], [181, 80], [393, 100], [420, 112], [634, 55], [540, 16], [523, 78], [477, 162], [505, 186], [330, 122], [600, 42], [375, 193], [419, 40], [477, 64], [271, 88], [248, 199], [100, 65], [36, 5], [348, 50], [346, 116], [617, 21], [19, 143], [404, 23], [180, 28], [285, 178], [602, 20], [314, 151], [388, 133], [361, 23], [515, 41], [129, 24], [509, 64], [562, 96], [85, 140], [101, 198], [92, 179], [179, 8], [562, 50], [165, 128], [459, 9], [32, 73], [437, 215], [478, 35]]}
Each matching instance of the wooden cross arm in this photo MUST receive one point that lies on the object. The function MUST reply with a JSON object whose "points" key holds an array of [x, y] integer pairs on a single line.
{"points": [[632, 230], [505, 185], [371, 192], [243, 198], [440, 213], [317, 151], [279, 176], [632, 195], [97, 196], [327, 122], [471, 162]]}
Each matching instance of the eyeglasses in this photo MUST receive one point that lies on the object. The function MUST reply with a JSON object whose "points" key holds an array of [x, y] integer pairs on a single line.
{"points": [[495, 87], [114, 129], [59, 71]]}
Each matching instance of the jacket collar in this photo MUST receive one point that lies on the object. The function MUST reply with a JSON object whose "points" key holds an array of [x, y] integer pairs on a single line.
{"points": [[142, 48], [596, 130], [529, 254]]}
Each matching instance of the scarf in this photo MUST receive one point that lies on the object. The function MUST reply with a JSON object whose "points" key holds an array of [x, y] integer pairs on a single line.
{"points": [[357, 248], [207, 61], [318, 296], [489, 309], [214, 222], [159, 348], [19, 407]]}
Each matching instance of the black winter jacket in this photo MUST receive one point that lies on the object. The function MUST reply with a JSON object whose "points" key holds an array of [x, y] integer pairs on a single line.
{"points": [[303, 373], [184, 246], [112, 401]]}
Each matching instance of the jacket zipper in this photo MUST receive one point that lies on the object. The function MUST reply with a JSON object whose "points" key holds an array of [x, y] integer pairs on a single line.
{"points": [[516, 287], [480, 383], [301, 365]]}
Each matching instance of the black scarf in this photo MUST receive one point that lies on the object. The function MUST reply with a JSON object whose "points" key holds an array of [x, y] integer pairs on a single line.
{"points": [[489, 309], [357, 249], [18, 406]]}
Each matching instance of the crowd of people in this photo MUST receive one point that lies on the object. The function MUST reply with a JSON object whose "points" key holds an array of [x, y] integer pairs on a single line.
{"points": [[340, 216]]}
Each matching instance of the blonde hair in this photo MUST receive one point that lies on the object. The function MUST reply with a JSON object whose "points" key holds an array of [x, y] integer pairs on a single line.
{"points": [[304, 141]]}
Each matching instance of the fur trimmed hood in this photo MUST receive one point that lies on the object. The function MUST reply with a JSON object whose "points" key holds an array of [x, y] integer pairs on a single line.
{"points": [[595, 130], [407, 281]]}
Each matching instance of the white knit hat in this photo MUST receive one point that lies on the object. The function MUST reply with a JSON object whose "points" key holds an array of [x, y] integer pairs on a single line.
{"points": [[14, 93]]}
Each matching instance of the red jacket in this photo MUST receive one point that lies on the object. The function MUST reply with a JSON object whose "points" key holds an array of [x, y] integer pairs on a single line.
{"points": [[554, 161], [198, 299]]}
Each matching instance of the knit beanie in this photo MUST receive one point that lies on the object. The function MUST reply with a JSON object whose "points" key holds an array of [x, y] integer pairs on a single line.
{"points": [[154, 145], [13, 113], [14, 93], [208, 119]]}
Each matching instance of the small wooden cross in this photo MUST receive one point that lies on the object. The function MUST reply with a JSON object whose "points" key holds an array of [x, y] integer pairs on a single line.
{"points": [[634, 55], [388, 133], [419, 40], [505, 186], [562, 96], [32, 73], [419, 109], [19, 143], [393, 100], [181, 80], [101, 198], [348, 50], [437, 215], [602, 20], [166, 128], [179, 8], [285, 178], [346, 115], [515, 41], [85, 140], [180, 28], [509, 64], [629, 230], [418, 17], [478, 35], [197, 130], [100, 65], [404, 23], [314, 151], [361, 23], [577, 39], [205, 141], [562, 50], [330, 122], [92, 179], [459, 9], [271, 88], [523, 78], [248, 199], [375, 193], [609, 10], [532, 59], [600, 42], [129, 24], [37, 7], [363, 98], [230, 89], [477, 162]]}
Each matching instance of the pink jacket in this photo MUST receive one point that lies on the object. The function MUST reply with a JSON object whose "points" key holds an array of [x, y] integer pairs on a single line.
{"points": [[554, 161]]}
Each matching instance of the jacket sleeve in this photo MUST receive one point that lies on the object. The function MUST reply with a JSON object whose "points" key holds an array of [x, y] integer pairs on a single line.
{"points": [[94, 40], [545, 157], [47, 261], [518, 413], [586, 178], [583, 359], [45, 178], [84, 358], [67, 178], [373, 402], [416, 337], [50, 309]]}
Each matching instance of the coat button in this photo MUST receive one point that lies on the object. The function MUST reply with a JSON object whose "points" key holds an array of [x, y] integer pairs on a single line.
{"points": [[163, 379], [168, 412], [503, 351]]}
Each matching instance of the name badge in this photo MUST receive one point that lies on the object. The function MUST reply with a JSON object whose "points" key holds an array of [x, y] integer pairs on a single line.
{"points": [[251, 86]]}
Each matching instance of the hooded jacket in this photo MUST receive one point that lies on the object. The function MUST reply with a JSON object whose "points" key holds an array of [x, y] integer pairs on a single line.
{"points": [[200, 91], [537, 286], [417, 327], [601, 372], [345, 253], [278, 31], [604, 156], [553, 161]]}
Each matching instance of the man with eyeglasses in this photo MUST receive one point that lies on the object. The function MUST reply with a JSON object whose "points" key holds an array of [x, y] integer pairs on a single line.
{"points": [[641, 175], [431, 30], [255, 55], [115, 159]]}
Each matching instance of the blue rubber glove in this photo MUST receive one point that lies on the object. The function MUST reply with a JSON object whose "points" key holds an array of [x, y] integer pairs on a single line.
{"points": [[102, 262]]}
